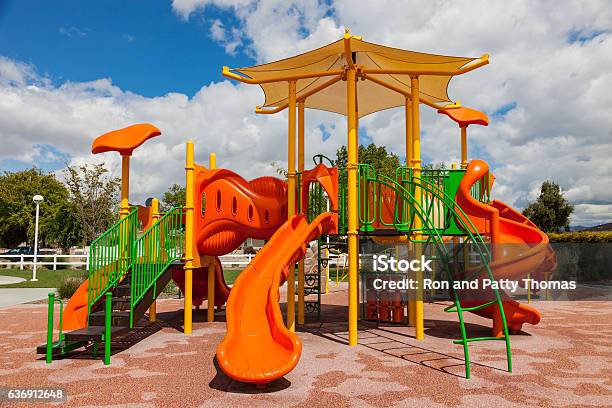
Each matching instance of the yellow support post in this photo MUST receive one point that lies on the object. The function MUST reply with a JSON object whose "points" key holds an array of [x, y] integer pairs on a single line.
{"points": [[408, 115], [291, 201], [189, 237], [154, 217], [351, 166], [300, 154], [416, 165], [464, 161], [210, 313], [125, 186]]}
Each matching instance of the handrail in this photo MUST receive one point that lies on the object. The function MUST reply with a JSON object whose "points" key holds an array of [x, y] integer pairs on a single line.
{"points": [[50, 344], [159, 246], [110, 257]]}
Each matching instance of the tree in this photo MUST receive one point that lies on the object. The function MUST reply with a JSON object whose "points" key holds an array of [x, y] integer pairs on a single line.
{"points": [[551, 211], [94, 196], [17, 211], [382, 161], [173, 197]]}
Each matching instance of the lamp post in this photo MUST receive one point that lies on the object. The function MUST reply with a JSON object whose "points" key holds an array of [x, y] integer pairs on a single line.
{"points": [[37, 200]]}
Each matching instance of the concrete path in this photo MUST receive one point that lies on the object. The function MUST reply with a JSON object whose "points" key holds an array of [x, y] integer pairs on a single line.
{"points": [[9, 280], [17, 296]]}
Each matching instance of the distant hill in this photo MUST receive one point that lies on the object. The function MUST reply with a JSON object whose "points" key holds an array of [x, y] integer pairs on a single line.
{"points": [[602, 227]]}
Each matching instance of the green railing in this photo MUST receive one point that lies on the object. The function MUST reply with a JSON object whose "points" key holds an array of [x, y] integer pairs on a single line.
{"points": [[110, 257], [481, 190], [153, 252], [376, 201]]}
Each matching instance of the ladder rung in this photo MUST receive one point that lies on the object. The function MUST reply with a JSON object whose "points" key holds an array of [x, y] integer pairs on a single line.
{"points": [[452, 308], [472, 308], [478, 339]]}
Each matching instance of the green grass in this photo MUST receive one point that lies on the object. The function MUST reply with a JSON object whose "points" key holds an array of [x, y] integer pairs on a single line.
{"points": [[46, 278], [53, 279], [231, 275]]}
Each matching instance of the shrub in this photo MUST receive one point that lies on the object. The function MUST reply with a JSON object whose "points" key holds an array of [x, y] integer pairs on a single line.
{"points": [[581, 236], [69, 286]]}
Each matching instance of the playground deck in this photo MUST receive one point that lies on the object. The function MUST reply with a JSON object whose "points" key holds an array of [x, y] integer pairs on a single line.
{"points": [[565, 360]]}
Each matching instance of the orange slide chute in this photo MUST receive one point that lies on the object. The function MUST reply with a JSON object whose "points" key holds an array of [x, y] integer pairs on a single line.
{"points": [[258, 348], [518, 247]]}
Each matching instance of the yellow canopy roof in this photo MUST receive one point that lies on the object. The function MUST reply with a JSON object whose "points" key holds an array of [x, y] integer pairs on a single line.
{"points": [[374, 62]]}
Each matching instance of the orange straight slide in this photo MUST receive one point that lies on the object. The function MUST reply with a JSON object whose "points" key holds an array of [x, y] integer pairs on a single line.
{"points": [[519, 248], [258, 347]]}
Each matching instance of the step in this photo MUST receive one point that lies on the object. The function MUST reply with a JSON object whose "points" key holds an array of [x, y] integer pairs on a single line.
{"points": [[94, 333], [121, 303], [66, 345], [119, 318], [122, 290]]}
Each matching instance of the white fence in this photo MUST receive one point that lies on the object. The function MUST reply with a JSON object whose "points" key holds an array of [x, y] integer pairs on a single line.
{"points": [[55, 261], [44, 260]]}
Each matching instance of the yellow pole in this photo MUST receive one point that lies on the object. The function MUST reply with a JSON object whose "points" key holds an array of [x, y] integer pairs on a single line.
{"points": [[189, 236], [351, 166], [300, 159], [416, 164], [125, 186], [210, 313], [155, 217], [464, 162], [291, 201], [408, 115]]}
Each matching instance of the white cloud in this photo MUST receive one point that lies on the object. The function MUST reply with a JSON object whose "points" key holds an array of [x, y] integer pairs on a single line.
{"points": [[219, 118], [550, 59]]}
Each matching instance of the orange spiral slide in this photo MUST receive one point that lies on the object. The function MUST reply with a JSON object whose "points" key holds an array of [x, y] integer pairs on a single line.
{"points": [[518, 247], [258, 348]]}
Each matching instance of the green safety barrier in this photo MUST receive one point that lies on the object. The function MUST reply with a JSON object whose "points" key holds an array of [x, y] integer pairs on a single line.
{"points": [[110, 257], [153, 252]]}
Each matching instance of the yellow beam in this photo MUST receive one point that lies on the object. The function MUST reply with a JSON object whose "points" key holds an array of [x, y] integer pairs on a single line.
{"points": [[291, 201], [210, 312], [154, 217], [301, 98], [348, 54], [125, 186], [229, 74], [300, 155], [482, 61], [189, 237], [416, 164], [351, 166], [464, 161]]}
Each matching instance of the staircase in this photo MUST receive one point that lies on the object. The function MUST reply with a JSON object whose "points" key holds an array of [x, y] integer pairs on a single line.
{"points": [[124, 280]]}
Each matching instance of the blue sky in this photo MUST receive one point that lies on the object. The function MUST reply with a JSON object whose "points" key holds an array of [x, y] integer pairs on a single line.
{"points": [[146, 50]]}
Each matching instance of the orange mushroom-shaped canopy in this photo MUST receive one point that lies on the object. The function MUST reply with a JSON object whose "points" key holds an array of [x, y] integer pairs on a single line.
{"points": [[465, 116], [124, 140]]}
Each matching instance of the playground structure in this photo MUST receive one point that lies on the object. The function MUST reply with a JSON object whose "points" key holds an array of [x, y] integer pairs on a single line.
{"points": [[446, 214]]}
